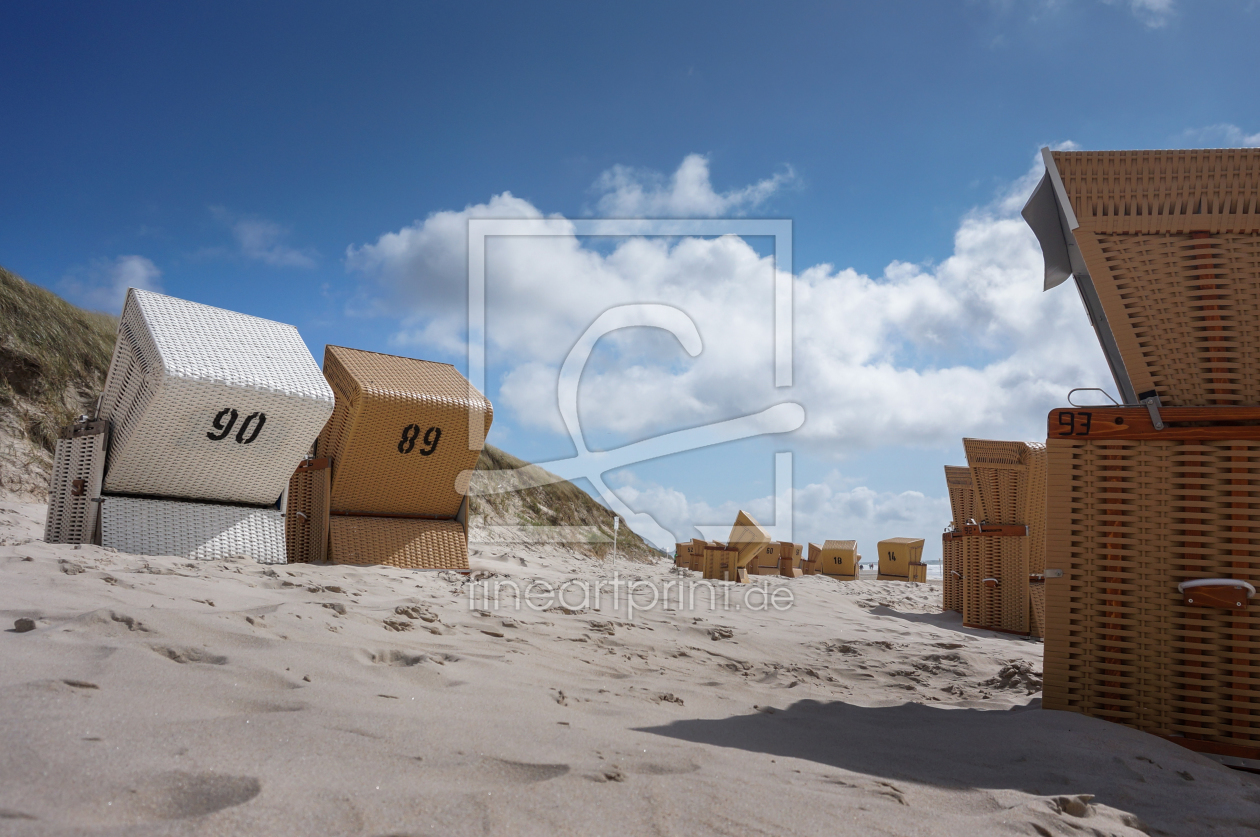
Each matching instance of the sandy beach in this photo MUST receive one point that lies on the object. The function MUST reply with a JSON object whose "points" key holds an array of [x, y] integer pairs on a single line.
{"points": [[163, 696]]}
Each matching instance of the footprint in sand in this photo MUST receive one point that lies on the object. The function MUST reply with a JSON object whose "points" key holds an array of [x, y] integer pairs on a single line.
{"points": [[190, 655]]}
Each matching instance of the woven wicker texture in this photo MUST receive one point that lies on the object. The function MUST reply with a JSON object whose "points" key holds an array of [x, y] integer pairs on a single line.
{"points": [[1129, 520], [306, 516], [720, 564], [897, 554], [747, 537], [995, 582], [192, 530], [208, 404], [766, 562], [399, 434], [397, 542], [952, 572], [1172, 243], [697, 555], [790, 559], [1037, 608], [78, 466], [962, 494], [838, 559]]}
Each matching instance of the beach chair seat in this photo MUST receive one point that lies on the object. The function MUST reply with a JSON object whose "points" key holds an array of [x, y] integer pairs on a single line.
{"points": [[204, 531]]}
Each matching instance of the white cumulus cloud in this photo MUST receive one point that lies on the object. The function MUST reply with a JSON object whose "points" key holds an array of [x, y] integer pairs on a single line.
{"points": [[103, 285], [626, 192], [1221, 135], [261, 240], [921, 354], [1153, 13]]}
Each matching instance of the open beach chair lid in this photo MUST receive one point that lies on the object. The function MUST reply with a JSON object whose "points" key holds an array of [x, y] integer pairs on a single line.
{"points": [[1049, 213], [747, 537]]}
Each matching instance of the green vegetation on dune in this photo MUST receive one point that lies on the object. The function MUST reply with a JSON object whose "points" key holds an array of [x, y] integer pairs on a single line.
{"points": [[53, 358], [559, 503]]}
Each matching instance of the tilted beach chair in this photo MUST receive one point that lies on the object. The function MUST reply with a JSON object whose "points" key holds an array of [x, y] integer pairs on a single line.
{"points": [[403, 442], [209, 413]]}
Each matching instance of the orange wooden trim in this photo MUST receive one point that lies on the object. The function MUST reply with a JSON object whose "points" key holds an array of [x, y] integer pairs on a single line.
{"points": [[1135, 423]]}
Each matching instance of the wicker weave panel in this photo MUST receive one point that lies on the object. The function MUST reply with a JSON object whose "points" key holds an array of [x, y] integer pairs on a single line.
{"points": [[1172, 242], [962, 494], [1174, 191], [790, 559], [1183, 308], [721, 564], [1037, 608], [995, 582], [306, 516], [748, 538], [952, 572], [1009, 480], [390, 459], [765, 562], [1129, 520], [178, 372], [397, 542], [897, 554], [192, 530], [70, 518], [838, 559]]}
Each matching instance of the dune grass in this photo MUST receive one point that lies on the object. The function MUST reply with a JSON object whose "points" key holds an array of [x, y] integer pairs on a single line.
{"points": [[53, 357]]}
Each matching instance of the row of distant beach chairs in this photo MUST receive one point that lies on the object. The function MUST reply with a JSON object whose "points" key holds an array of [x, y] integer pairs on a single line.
{"points": [[750, 552], [217, 435]]}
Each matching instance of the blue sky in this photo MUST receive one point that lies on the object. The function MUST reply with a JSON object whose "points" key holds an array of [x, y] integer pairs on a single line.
{"points": [[316, 163]]}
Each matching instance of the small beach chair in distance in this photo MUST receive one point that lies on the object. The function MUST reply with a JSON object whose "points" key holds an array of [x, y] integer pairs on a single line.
{"points": [[838, 559], [748, 539], [790, 560], [766, 562], [901, 559]]}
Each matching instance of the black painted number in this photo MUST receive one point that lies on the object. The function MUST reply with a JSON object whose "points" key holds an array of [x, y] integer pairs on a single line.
{"points": [[219, 425], [431, 437], [226, 420], [412, 432], [1068, 420], [257, 420]]}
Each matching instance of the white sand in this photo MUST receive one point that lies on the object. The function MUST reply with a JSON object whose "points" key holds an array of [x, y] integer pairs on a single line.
{"points": [[161, 696]]}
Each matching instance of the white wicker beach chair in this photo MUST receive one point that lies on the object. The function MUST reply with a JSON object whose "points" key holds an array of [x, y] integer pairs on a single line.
{"points": [[204, 531], [75, 487], [208, 404]]}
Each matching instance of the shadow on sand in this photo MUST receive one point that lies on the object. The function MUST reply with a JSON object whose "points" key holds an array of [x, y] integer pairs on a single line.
{"points": [[1026, 748]]}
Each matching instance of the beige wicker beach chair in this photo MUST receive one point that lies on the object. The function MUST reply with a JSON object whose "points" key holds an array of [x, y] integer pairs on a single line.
{"points": [[900, 559], [1137, 515], [403, 441], [838, 559], [1163, 246]]}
